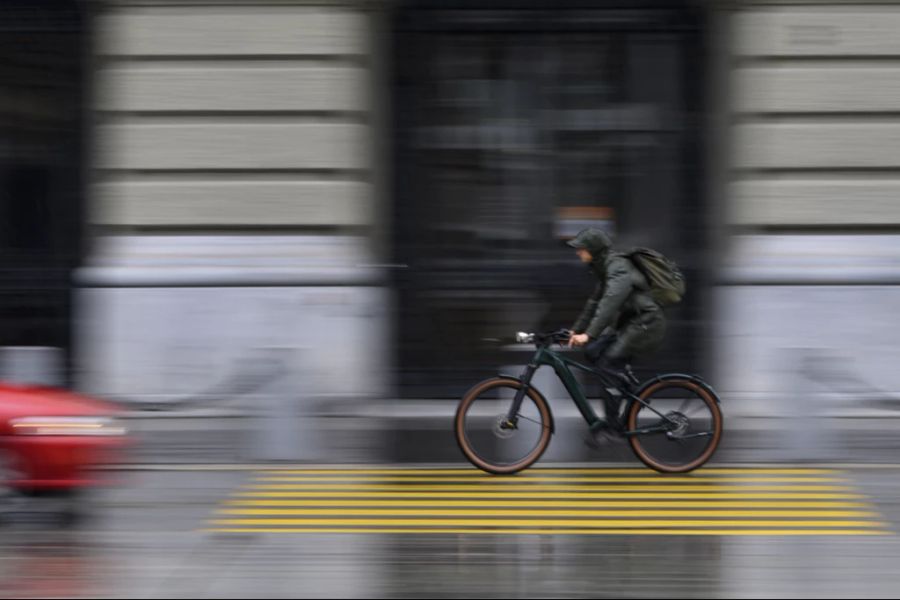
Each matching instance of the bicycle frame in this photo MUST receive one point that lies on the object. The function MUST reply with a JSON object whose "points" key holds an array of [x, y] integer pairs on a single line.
{"points": [[560, 364]]}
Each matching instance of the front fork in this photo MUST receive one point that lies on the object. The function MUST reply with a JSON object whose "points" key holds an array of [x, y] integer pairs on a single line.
{"points": [[512, 417]]}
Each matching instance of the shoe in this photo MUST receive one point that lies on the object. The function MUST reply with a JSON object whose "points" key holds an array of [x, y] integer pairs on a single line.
{"points": [[603, 435]]}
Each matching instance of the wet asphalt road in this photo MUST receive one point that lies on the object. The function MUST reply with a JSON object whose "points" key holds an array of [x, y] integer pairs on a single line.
{"points": [[793, 531]]}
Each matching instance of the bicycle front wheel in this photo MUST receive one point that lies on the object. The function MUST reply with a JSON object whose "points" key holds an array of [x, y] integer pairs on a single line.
{"points": [[487, 439], [681, 424]]}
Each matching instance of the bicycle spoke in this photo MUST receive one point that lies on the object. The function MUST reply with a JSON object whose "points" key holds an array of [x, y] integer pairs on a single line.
{"points": [[696, 435], [648, 430], [536, 422]]}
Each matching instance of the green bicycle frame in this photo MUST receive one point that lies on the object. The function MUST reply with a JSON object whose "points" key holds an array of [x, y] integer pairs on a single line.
{"points": [[546, 357]]}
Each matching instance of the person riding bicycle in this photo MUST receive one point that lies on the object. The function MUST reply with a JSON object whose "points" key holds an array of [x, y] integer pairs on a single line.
{"points": [[620, 320]]}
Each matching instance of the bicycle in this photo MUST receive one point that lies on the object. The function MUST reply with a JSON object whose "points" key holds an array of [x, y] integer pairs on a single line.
{"points": [[510, 417]]}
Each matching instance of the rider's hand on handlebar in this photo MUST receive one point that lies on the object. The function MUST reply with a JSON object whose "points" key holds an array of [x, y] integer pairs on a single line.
{"points": [[578, 339]]}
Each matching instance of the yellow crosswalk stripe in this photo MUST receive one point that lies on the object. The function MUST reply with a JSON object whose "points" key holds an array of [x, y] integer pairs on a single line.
{"points": [[516, 503], [537, 472], [557, 523], [553, 495], [524, 531], [514, 487], [381, 479], [513, 512]]}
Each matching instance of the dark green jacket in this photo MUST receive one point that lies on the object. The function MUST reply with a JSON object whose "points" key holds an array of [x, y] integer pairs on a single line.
{"points": [[621, 293]]}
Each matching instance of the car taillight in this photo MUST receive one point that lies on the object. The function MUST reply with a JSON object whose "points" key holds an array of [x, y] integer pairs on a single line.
{"points": [[92, 426]]}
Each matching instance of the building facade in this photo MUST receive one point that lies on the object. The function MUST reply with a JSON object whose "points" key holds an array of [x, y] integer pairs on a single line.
{"points": [[371, 191]]}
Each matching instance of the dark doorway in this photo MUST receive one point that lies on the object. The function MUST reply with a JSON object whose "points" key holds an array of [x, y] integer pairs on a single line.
{"points": [[513, 127], [42, 50]]}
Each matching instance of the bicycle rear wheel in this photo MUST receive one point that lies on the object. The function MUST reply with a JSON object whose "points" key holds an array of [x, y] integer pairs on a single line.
{"points": [[684, 426], [488, 441]]}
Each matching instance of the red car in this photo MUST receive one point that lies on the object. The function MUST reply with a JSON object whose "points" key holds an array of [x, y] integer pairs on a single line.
{"points": [[50, 439]]}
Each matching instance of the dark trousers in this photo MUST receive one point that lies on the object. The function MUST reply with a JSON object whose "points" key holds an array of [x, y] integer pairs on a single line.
{"points": [[637, 336]]}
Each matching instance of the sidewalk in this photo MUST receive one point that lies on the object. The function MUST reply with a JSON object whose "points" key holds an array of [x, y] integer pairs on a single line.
{"points": [[422, 432]]}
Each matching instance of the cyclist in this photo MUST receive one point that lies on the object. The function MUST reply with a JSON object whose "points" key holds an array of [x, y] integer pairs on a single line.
{"points": [[620, 320]]}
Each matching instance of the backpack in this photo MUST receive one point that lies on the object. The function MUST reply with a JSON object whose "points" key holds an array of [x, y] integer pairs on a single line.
{"points": [[667, 285]]}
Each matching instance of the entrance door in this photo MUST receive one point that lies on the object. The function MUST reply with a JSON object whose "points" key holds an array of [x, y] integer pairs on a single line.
{"points": [[514, 128], [41, 183]]}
